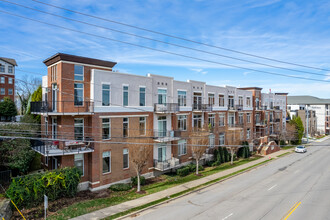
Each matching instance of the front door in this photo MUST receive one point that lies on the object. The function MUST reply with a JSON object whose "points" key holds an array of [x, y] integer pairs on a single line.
{"points": [[54, 163], [161, 153]]}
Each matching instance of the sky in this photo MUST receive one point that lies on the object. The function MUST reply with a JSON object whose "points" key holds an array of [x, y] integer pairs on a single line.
{"points": [[291, 31]]}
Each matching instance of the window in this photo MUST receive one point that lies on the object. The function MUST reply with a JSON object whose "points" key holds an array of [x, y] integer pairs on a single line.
{"points": [[2, 80], [2, 68], [221, 100], [221, 120], [2, 91], [10, 80], [197, 120], [142, 126], [79, 129], [211, 121], [211, 140], [125, 127], [46, 125], [222, 139], [231, 101], [125, 158], [248, 117], [182, 147], [106, 128], [79, 162], [142, 96], [125, 95], [240, 118], [10, 91], [162, 96], [211, 99], [10, 69], [53, 72], [242, 135], [248, 101], [106, 162], [182, 122], [231, 119], [105, 94], [182, 98], [54, 128], [78, 94], [78, 72], [240, 100], [248, 133]]}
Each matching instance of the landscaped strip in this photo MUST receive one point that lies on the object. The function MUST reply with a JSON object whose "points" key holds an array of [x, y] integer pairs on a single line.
{"points": [[115, 198], [281, 155], [173, 196]]}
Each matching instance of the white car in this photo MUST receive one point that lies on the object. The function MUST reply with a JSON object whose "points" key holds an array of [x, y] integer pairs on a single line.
{"points": [[300, 149]]}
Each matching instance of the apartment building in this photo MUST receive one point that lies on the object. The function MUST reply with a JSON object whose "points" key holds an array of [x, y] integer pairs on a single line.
{"points": [[93, 116], [7, 78], [311, 103], [308, 118]]}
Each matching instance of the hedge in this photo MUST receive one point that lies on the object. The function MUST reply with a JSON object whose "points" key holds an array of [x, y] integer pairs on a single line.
{"points": [[184, 171], [120, 187], [28, 191]]}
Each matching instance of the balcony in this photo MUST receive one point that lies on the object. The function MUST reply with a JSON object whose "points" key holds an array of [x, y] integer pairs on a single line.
{"points": [[202, 107], [261, 108], [261, 123], [166, 136], [235, 107], [53, 148], [166, 108], [166, 164], [277, 120], [62, 108], [277, 108]]}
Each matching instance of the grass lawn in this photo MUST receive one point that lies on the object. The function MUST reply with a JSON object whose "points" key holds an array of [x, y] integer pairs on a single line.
{"points": [[281, 155], [166, 181], [288, 147]]}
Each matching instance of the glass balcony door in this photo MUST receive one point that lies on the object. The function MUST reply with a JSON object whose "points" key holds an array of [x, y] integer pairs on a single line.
{"points": [[162, 153], [162, 126]]}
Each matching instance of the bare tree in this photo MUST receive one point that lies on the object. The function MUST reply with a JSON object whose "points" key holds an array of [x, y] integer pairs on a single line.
{"points": [[140, 154], [199, 141], [233, 141], [24, 88]]}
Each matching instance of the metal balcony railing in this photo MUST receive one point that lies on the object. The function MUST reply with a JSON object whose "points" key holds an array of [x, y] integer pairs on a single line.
{"points": [[277, 107], [202, 107], [53, 148], [62, 107], [167, 107], [166, 164], [277, 120], [172, 133]]}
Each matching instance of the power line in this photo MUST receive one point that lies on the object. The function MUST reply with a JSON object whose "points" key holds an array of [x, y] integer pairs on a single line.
{"points": [[164, 42], [164, 51], [179, 38]]}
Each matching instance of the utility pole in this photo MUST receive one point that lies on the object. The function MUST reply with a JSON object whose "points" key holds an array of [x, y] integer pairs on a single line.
{"points": [[307, 112]]}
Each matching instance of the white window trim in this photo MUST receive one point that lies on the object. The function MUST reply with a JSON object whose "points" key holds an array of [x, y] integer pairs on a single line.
{"points": [[83, 135], [83, 159], [109, 128], [123, 95], [110, 164], [183, 142], [83, 75], [125, 168], [145, 126], [145, 95], [105, 83], [127, 126]]}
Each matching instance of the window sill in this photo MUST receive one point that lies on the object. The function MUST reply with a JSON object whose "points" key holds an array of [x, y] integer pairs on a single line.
{"points": [[126, 168], [106, 173]]}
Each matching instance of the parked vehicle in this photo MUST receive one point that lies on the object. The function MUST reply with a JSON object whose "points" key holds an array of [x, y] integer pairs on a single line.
{"points": [[300, 149]]}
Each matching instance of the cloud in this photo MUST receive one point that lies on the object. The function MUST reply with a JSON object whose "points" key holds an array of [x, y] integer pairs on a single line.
{"points": [[327, 77], [201, 71]]}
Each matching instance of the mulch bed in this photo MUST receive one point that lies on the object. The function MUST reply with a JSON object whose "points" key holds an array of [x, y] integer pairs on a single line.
{"points": [[53, 206]]}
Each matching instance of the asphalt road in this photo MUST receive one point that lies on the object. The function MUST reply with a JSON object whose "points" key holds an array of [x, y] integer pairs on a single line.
{"points": [[296, 186]]}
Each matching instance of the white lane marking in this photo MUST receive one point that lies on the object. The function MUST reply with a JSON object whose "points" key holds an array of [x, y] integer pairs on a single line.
{"points": [[228, 216], [272, 187]]}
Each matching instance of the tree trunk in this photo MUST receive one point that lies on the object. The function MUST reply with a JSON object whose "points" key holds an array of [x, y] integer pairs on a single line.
{"points": [[232, 156], [197, 165], [138, 182]]}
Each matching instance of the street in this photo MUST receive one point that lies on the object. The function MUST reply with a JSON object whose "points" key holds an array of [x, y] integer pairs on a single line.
{"points": [[296, 186]]}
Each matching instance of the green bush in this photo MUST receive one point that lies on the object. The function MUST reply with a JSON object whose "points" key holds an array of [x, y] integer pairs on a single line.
{"points": [[28, 191], [216, 163], [120, 187], [134, 180], [192, 167], [184, 171]]}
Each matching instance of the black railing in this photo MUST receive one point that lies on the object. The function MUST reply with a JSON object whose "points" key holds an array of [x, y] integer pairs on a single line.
{"points": [[202, 107], [239, 107], [172, 133], [62, 106], [277, 120], [167, 107]]}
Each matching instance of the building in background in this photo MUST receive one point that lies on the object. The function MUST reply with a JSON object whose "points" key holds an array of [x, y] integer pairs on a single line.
{"points": [[7, 78], [308, 117], [321, 107], [93, 116]]}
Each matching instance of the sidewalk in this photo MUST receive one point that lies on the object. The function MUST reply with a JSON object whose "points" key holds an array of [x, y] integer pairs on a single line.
{"points": [[103, 213]]}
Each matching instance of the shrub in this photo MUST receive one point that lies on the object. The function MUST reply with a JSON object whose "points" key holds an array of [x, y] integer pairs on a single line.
{"points": [[192, 167], [209, 163], [120, 187], [216, 163], [28, 191], [134, 180], [184, 171]]}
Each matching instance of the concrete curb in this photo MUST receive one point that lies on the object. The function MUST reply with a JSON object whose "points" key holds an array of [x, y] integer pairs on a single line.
{"points": [[196, 190]]}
